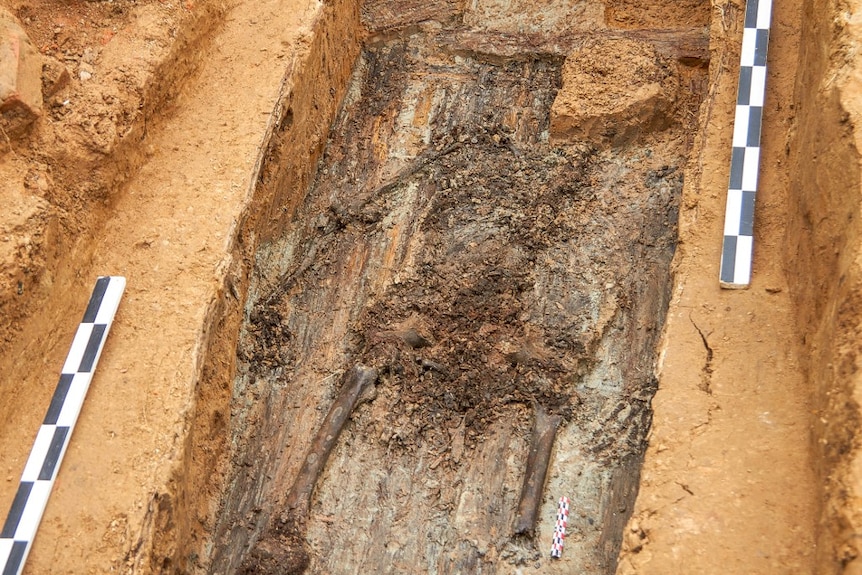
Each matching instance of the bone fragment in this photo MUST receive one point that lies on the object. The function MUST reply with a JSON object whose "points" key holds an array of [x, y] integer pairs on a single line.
{"points": [[544, 433], [353, 383]]}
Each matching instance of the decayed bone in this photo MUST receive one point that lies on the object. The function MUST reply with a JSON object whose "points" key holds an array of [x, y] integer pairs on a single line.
{"points": [[353, 384], [409, 336], [281, 549], [541, 444]]}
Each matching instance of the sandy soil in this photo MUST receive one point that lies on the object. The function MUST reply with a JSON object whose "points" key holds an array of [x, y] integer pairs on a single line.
{"points": [[822, 259], [728, 472], [191, 138], [170, 229]]}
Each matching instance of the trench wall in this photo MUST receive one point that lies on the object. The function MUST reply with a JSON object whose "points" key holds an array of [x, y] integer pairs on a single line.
{"points": [[152, 436], [824, 265], [286, 165], [183, 516]]}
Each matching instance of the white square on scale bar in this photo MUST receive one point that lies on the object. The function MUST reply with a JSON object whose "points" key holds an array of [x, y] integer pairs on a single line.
{"points": [[740, 126], [742, 266], [749, 169], [749, 47], [758, 84], [733, 212]]}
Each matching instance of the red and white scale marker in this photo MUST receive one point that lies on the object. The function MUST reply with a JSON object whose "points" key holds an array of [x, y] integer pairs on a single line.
{"points": [[560, 528], [39, 474]]}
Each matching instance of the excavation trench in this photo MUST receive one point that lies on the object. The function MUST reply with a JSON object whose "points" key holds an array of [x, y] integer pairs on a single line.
{"points": [[457, 322], [396, 275]]}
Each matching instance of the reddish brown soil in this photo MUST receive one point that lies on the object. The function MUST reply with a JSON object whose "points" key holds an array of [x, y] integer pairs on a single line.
{"points": [[129, 182]]}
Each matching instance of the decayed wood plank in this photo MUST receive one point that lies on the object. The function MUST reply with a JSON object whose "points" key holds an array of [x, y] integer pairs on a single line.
{"points": [[281, 549], [689, 44], [385, 15]]}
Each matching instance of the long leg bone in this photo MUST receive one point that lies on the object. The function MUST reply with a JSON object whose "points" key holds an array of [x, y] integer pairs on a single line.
{"points": [[544, 432], [353, 384], [281, 550]]}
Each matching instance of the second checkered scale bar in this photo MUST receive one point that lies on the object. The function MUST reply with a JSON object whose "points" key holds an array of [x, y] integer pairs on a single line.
{"points": [[737, 248], [52, 439], [560, 528]]}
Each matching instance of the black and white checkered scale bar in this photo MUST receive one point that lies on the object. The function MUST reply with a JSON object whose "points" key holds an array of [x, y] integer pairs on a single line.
{"points": [[53, 436], [736, 253]]}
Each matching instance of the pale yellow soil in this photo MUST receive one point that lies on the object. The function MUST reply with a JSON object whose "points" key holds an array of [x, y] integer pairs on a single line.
{"points": [[728, 485], [751, 458]]}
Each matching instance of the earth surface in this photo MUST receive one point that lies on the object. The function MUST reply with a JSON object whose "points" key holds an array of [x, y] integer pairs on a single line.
{"points": [[292, 188]]}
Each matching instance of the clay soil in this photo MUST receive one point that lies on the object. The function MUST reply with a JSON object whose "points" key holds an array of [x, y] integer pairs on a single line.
{"points": [[293, 188]]}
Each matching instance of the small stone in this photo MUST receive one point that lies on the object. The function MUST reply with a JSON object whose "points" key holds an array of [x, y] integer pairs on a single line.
{"points": [[85, 71], [89, 56], [55, 77]]}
